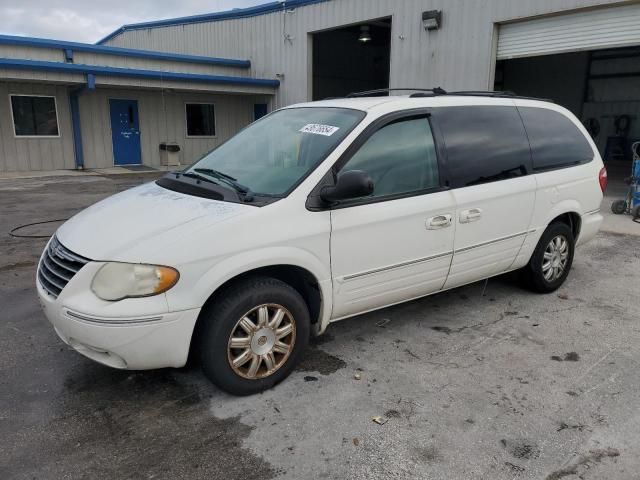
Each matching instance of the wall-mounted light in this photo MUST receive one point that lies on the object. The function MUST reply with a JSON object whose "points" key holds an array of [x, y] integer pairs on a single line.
{"points": [[365, 34], [432, 19]]}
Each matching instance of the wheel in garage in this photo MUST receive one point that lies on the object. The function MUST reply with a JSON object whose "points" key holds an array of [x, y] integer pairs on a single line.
{"points": [[619, 207], [552, 259], [254, 335]]}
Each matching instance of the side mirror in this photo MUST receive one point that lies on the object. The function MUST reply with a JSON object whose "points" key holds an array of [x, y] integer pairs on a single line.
{"points": [[351, 184]]}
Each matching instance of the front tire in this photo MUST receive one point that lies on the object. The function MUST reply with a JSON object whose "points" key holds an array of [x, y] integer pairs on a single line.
{"points": [[552, 259], [254, 335]]}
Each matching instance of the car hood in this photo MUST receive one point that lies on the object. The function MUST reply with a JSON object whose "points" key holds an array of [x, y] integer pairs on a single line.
{"points": [[125, 226]]}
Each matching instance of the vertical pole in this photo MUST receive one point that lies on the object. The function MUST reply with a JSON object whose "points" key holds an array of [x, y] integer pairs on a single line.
{"points": [[74, 101], [491, 77], [77, 133]]}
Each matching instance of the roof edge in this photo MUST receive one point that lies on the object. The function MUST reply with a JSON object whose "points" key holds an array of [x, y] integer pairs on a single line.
{"points": [[213, 17], [118, 51], [40, 65]]}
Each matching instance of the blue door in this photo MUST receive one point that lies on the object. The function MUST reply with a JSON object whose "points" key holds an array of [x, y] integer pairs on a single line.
{"points": [[125, 132]]}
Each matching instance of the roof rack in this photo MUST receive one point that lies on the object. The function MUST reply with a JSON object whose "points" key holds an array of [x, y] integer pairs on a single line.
{"points": [[368, 93], [437, 91], [496, 94], [484, 93]]}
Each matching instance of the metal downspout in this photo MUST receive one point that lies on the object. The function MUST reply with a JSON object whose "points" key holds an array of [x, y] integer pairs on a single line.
{"points": [[75, 120]]}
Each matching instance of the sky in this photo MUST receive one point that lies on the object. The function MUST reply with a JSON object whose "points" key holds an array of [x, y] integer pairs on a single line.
{"points": [[90, 20]]}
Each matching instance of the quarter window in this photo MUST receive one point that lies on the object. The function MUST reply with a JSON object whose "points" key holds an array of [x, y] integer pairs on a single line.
{"points": [[484, 144], [201, 120], [400, 158], [555, 141], [34, 116]]}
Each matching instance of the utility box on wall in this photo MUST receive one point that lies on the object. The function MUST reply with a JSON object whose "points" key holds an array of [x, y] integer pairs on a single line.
{"points": [[169, 154]]}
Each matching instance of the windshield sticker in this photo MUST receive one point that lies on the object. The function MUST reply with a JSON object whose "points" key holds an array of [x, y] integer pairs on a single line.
{"points": [[318, 129]]}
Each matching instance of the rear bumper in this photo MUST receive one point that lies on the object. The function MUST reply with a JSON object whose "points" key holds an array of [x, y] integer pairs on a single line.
{"points": [[141, 343], [591, 223]]}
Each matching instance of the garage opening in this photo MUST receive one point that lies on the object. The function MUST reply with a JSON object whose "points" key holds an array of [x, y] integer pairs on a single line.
{"points": [[601, 87], [351, 59], [587, 61]]}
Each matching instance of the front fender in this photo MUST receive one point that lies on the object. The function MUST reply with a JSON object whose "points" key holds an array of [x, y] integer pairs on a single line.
{"points": [[241, 263]]}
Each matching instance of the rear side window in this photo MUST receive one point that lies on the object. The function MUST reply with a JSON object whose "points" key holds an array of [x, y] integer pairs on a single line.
{"points": [[484, 144], [555, 141]]}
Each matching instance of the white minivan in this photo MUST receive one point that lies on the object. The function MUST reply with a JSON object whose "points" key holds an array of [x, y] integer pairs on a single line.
{"points": [[316, 213]]}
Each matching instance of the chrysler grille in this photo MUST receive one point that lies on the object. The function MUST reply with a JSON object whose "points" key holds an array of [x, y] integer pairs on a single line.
{"points": [[58, 266]]}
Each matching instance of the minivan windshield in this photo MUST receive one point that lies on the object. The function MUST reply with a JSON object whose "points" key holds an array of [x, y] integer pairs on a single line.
{"points": [[272, 155]]}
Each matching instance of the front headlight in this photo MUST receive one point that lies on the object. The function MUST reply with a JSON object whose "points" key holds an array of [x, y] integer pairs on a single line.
{"points": [[117, 281]]}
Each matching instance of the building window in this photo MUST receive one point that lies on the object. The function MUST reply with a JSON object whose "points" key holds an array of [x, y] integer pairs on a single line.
{"points": [[34, 116], [201, 120]]}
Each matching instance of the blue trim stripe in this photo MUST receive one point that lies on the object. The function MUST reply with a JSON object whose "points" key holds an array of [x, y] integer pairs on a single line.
{"points": [[121, 52], [134, 73], [214, 17]]}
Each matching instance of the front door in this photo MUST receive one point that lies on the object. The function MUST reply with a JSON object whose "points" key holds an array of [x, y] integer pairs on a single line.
{"points": [[125, 132], [396, 244]]}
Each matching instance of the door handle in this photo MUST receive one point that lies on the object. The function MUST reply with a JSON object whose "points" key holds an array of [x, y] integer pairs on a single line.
{"points": [[471, 215], [439, 221]]}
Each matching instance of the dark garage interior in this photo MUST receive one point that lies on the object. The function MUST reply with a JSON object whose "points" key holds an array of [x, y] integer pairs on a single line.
{"points": [[600, 87], [351, 59]]}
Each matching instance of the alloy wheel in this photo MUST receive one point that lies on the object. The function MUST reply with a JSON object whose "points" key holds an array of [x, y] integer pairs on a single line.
{"points": [[556, 256], [261, 341]]}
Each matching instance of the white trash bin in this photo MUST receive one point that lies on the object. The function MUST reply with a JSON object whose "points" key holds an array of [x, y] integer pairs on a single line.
{"points": [[169, 154]]}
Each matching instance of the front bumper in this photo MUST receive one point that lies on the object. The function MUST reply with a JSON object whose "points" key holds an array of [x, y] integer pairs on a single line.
{"points": [[137, 343]]}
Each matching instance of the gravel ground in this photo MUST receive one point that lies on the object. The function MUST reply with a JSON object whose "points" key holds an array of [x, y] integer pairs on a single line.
{"points": [[505, 385]]}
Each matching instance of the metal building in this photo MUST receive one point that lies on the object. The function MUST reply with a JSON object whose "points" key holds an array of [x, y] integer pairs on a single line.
{"points": [[196, 80], [67, 105]]}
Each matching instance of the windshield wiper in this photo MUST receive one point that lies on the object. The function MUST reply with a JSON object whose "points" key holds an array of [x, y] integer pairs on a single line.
{"points": [[247, 194], [215, 173], [194, 175]]}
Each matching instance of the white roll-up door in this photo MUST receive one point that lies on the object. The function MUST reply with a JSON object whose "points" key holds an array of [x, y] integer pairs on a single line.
{"points": [[587, 30]]}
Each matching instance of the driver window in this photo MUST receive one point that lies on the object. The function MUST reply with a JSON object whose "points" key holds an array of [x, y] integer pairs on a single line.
{"points": [[400, 158]]}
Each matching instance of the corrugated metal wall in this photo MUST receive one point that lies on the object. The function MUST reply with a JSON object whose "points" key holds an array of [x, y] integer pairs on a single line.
{"points": [[162, 119], [459, 56], [85, 58], [35, 153], [90, 58]]}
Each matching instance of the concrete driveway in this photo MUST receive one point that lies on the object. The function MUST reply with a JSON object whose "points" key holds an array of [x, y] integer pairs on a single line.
{"points": [[505, 385]]}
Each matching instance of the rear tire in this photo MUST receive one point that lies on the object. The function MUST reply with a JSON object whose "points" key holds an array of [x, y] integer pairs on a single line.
{"points": [[552, 259], [255, 333]]}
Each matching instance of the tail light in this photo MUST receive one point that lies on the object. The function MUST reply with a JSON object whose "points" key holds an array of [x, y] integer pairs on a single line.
{"points": [[603, 179]]}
